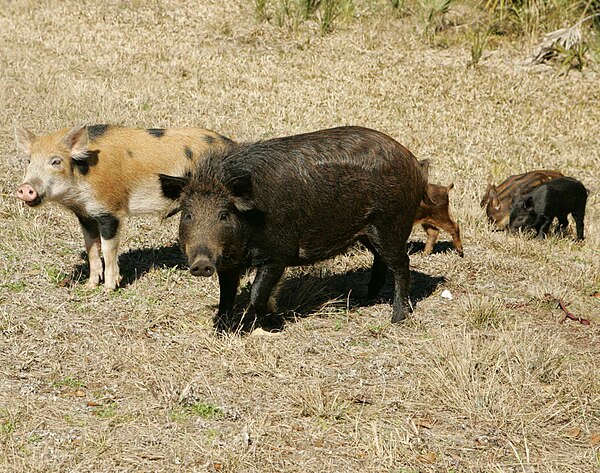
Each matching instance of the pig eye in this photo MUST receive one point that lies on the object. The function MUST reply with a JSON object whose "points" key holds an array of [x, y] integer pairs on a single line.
{"points": [[55, 161], [186, 217], [223, 216]]}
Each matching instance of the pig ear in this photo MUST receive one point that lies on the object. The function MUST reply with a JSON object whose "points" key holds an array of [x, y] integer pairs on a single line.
{"points": [[240, 187], [172, 186], [77, 141], [486, 196], [528, 203], [494, 198], [24, 139]]}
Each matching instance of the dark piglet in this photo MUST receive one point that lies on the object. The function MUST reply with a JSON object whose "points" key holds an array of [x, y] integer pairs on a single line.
{"points": [[295, 201], [554, 199], [498, 200]]}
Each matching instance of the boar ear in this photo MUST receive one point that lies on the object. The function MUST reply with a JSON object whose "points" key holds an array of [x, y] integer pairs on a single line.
{"points": [[76, 141], [240, 186], [528, 203], [172, 186], [24, 139]]}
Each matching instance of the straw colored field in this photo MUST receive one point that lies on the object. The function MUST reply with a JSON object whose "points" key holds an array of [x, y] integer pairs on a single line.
{"points": [[136, 380]]}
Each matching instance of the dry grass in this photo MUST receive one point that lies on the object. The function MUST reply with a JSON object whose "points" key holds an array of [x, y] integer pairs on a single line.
{"points": [[137, 381]]}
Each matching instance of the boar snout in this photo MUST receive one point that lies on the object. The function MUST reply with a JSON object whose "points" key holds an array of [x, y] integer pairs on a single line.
{"points": [[28, 194], [202, 267]]}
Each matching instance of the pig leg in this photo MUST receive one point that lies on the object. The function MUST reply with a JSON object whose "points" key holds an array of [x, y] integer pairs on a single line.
{"points": [[91, 236], [378, 271], [563, 223], [578, 216], [543, 227], [109, 235], [454, 230], [266, 279], [432, 236], [391, 245], [228, 285]]}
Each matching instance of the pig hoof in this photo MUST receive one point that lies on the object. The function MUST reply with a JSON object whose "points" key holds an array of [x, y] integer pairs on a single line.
{"points": [[92, 284], [397, 318]]}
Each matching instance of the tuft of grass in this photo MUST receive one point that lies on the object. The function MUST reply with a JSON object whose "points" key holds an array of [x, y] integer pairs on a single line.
{"points": [[8, 421], [69, 382], [478, 43], [484, 312], [203, 410], [260, 10], [314, 401], [432, 14], [106, 411]]}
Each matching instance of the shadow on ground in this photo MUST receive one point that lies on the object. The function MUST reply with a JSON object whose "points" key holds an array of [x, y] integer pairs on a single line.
{"points": [[135, 263], [440, 247], [298, 295], [303, 295]]}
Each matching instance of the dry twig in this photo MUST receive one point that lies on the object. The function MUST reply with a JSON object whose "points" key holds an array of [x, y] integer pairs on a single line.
{"points": [[568, 315]]}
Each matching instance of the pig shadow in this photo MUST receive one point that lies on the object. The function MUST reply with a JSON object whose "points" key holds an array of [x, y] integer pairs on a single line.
{"points": [[440, 247], [309, 294], [135, 263]]}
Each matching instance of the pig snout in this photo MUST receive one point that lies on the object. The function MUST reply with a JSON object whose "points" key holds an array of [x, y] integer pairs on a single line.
{"points": [[202, 267], [28, 194]]}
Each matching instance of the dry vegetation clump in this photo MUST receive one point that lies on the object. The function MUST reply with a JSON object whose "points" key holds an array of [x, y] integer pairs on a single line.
{"points": [[490, 380]]}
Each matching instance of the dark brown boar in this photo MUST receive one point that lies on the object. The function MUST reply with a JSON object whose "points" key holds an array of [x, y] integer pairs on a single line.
{"points": [[295, 201], [498, 200], [435, 215]]}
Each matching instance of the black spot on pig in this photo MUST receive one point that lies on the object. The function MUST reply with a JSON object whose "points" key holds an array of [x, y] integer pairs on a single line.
{"points": [[96, 131], [188, 153], [210, 140], [108, 225], [89, 224], [82, 162], [157, 132]]}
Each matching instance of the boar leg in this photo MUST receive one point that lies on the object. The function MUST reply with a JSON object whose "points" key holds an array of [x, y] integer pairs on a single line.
{"points": [[432, 236], [91, 236], [109, 235], [578, 216], [391, 245], [266, 279], [378, 271], [228, 285]]}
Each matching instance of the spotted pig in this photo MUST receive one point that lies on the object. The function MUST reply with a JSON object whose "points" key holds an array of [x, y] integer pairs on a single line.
{"points": [[106, 172]]}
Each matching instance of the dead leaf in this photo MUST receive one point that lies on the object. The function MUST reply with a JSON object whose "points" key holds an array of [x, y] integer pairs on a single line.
{"points": [[595, 440], [79, 393], [574, 432], [425, 423], [427, 458], [217, 466], [595, 294], [93, 404]]}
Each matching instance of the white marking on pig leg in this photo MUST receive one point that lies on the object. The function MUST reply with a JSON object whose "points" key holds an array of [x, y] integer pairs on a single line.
{"points": [[92, 248], [110, 249]]}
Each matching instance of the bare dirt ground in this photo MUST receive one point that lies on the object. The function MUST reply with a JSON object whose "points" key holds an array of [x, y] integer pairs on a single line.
{"points": [[137, 380]]}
